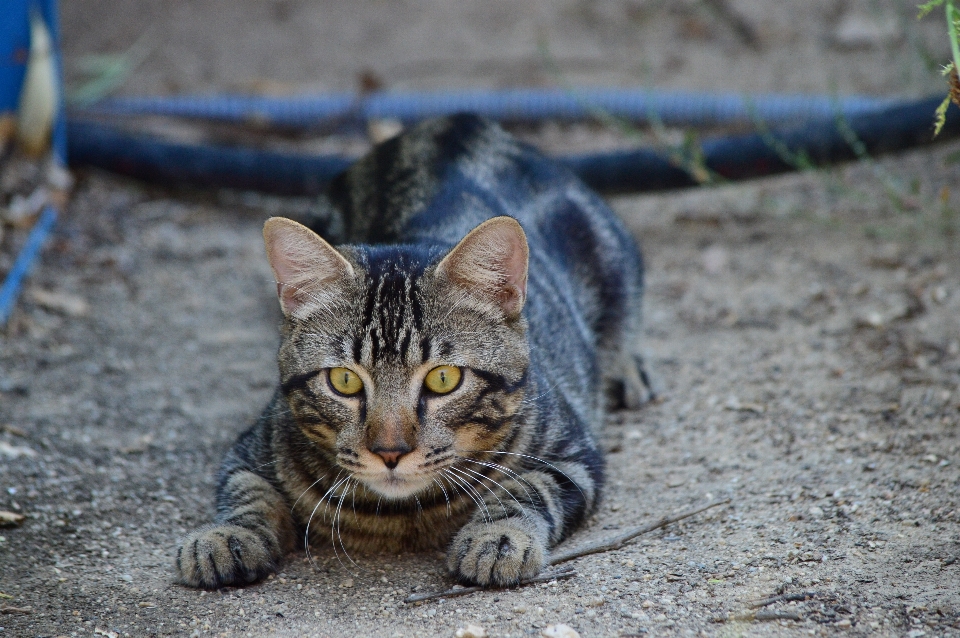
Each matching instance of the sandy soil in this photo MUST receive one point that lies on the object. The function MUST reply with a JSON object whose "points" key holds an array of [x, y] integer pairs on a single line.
{"points": [[804, 331]]}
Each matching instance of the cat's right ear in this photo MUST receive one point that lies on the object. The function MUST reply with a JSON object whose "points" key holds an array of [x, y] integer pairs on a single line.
{"points": [[491, 262], [305, 266]]}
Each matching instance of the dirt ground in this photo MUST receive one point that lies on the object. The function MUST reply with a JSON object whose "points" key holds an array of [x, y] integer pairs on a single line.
{"points": [[804, 331]]}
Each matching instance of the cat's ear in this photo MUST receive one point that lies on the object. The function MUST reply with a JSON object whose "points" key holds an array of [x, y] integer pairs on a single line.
{"points": [[491, 262], [305, 266]]}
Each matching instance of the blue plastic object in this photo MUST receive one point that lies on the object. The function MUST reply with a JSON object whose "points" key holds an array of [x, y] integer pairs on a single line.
{"points": [[670, 107], [14, 45], [24, 262], [14, 49], [822, 141]]}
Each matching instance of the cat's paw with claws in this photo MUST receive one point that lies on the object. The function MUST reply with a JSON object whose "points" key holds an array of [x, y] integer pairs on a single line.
{"points": [[500, 553], [218, 555]]}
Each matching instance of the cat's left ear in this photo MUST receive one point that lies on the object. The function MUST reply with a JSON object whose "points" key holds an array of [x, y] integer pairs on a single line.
{"points": [[491, 263], [305, 266]]}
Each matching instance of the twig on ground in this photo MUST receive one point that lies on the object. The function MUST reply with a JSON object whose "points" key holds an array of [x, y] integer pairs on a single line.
{"points": [[605, 545], [791, 597], [762, 615], [6, 609], [463, 591], [619, 541]]}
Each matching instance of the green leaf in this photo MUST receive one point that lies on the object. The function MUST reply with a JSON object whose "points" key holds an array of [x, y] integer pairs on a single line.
{"points": [[941, 116], [927, 7]]}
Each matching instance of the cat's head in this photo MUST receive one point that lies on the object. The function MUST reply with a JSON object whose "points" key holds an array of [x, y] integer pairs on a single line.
{"points": [[397, 360]]}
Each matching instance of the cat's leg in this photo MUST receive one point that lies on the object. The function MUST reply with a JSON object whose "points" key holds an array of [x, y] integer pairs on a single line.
{"points": [[252, 532], [509, 537], [632, 388]]}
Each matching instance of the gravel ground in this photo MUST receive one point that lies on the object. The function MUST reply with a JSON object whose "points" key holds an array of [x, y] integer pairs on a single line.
{"points": [[804, 333]]}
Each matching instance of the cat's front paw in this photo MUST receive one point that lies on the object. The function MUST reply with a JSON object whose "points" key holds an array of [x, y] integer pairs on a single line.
{"points": [[498, 553], [218, 555]]}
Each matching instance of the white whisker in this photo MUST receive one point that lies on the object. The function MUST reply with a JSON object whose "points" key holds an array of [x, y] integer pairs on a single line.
{"points": [[539, 460], [503, 507], [470, 491], [292, 507], [508, 472], [444, 490], [466, 490], [495, 482]]}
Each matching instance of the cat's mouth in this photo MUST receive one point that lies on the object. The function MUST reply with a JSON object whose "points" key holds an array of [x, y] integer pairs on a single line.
{"points": [[394, 485]]}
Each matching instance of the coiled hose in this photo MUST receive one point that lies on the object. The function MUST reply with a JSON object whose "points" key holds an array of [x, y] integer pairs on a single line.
{"points": [[826, 139], [835, 130], [639, 105]]}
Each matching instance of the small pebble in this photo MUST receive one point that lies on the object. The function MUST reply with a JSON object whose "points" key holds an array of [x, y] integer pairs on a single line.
{"points": [[559, 631], [471, 631]]}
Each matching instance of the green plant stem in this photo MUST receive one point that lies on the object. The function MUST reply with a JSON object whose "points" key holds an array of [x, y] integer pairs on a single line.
{"points": [[952, 17]]}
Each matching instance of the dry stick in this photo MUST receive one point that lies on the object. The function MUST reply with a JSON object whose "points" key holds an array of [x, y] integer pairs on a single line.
{"points": [[619, 541], [463, 591], [615, 542], [791, 597], [6, 609], [762, 615]]}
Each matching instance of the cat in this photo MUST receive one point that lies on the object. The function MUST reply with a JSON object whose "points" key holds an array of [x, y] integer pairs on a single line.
{"points": [[443, 370]]}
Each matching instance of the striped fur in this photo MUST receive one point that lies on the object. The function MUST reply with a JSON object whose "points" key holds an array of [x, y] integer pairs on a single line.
{"points": [[498, 470]]}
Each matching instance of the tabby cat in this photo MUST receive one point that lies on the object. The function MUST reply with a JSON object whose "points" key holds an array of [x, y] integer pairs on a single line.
{"points": [[442, 370]]}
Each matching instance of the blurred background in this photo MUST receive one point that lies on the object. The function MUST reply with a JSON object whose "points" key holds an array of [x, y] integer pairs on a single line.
{"points": [[293, 46]]}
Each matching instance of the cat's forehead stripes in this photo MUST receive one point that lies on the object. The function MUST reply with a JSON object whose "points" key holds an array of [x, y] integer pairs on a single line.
{"points": [[390, 329]]}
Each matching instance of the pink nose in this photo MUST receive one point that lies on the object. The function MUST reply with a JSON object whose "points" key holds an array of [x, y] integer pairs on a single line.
{"points": [[390, 457]]}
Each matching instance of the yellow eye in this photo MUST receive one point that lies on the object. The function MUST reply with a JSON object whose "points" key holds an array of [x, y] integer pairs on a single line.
{"points": [[345, 381], [442, 379]]}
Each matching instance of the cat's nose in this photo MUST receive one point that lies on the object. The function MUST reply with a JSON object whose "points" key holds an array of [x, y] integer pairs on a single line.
{"points": [[390, 457]]}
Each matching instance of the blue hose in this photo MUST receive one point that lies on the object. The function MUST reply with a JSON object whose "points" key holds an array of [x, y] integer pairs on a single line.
{"points": [[669, 107], [836, 130], [21, 267], [819, 142]]}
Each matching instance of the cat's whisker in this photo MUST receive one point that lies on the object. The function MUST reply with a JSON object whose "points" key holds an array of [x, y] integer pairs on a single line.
{"points": [[509, 473], [263, 465], [539, 460], [470, 491], [419, 506], [333, 520], [531, 400], [292, 507], [445, 497], [453, 487], [336, 520], [306, 537], [503, 507]]}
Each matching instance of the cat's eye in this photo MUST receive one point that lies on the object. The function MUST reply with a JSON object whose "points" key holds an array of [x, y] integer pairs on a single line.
{"points": [[442, 379], [345, 381]]}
